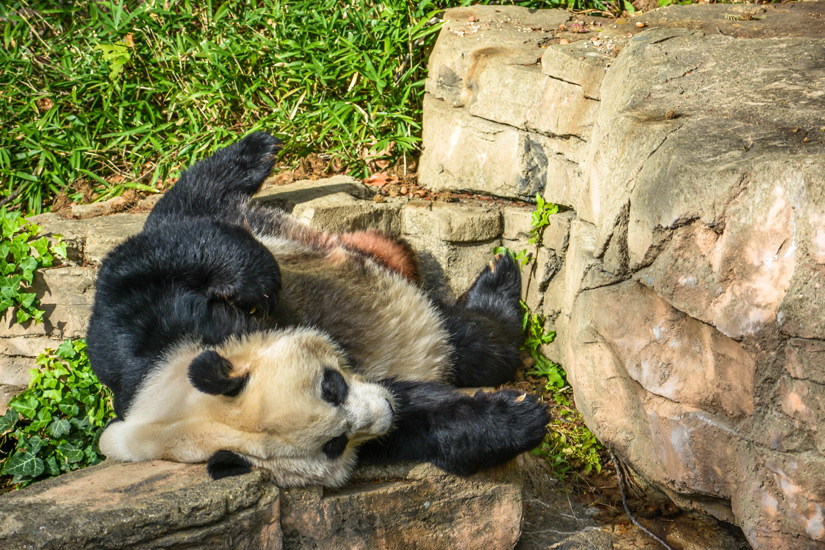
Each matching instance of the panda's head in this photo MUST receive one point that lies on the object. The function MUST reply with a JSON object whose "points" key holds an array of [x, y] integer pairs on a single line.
{"points": [[284, 401]]}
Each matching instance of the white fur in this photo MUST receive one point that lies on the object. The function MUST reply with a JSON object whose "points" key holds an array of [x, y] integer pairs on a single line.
{"points": [[279, 421]]}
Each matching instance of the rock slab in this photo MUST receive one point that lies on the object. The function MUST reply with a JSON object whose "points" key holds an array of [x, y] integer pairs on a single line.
{"points": [[162, 504], [154, 504]]}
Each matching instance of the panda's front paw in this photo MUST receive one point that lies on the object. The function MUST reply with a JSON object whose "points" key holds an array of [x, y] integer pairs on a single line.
{"points": [[523, 417], [249, 280], [253, 295], [258, 150]]}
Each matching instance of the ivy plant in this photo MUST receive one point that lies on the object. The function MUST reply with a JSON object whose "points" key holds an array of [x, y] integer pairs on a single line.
{"points": [[53, 427], [21, 253]]}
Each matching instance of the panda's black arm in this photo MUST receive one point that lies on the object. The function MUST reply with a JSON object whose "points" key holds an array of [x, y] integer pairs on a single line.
{"points": [[457, 432], [220, 260], [217, 185]]}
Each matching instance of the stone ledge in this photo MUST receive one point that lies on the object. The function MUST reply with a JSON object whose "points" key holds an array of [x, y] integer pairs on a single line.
{"points": [[163, 504], [145, 505]]}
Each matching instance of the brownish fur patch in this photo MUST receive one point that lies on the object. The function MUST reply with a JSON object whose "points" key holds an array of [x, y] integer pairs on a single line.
{"points": [[392, 252]]}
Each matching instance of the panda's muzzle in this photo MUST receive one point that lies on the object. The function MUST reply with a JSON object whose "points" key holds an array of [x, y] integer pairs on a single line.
{"points": [[369, 410]]}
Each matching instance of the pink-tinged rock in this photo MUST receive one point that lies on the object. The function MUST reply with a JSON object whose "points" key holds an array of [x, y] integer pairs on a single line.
{"points": [[663, 388], [785, 509], [735, 279], [673, 355]]}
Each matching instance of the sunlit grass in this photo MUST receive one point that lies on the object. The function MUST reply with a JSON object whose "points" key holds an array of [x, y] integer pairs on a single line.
{"points": [[117, 94]]}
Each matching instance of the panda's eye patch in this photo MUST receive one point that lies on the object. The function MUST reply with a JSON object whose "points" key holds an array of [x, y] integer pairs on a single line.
{"points": [[335, 447], [333, 387]]}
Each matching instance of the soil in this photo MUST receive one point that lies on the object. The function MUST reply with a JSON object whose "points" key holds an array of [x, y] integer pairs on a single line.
{"points": [[587, 512]]}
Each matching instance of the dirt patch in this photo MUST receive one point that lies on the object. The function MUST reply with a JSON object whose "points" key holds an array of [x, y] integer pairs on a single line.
{"points": [[587, 512]]}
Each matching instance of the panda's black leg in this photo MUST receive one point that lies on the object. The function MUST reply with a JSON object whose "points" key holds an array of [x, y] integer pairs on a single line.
{"points": [[459, 433], [242, 272], [485, 327], [217, 185], [227, 464], [496, 291]]}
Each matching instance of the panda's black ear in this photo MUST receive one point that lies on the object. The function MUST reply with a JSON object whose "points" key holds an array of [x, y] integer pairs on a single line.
{"points": [[227, 464], [210, 373]]}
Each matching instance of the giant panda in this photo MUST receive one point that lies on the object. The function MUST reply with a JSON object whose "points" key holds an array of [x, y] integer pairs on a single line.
{"points": [[234, 335]]}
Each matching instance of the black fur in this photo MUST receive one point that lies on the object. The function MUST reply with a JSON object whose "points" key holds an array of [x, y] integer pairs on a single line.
{"points": [[333, 387], [219, 185], [227, 464], [485, 327], [335, 447], [459, 433], [210, 373], [194, 272]]}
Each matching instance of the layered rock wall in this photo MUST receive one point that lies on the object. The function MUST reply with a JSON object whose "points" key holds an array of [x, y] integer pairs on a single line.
{"points": [[687, 292]]}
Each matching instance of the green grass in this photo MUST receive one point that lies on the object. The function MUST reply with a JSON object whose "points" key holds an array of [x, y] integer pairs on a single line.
{"points": [[115, 94]]}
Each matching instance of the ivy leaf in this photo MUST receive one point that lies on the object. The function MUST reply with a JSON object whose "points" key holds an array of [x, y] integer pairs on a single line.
{"points": [[22, 316], [71, 452], [51, 466], [8, 420], [60, 250], [24, 465], [69, 408], [41, 245], [27, 406], [59, 428], [66, 350], [35, 443]]}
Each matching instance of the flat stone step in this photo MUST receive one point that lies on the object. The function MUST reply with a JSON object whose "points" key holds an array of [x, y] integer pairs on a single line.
{"points": [[163, 504]]}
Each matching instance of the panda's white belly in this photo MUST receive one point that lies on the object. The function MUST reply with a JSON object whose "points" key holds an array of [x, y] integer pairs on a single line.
{"points": [[387, 326]]}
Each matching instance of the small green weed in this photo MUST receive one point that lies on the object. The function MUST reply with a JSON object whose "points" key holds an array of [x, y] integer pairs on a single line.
{"points": [[20, 255], [54, 425], [541, 219], [535, 336], [569, 445]]}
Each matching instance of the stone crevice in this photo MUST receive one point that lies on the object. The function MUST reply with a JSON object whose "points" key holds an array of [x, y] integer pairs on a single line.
{"points": [[528, 130], [577, 84]]}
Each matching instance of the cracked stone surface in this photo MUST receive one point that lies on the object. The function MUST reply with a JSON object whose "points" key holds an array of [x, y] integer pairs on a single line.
{"points": [[688, 295], [161, 504], [154, 504]]}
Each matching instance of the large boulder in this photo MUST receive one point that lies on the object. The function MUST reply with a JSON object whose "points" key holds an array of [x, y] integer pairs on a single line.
{"points": [[688, 290], [711, 209]]}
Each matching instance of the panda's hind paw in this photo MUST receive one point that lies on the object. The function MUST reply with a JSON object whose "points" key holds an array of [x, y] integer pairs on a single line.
{"points": [[496, 292]]}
